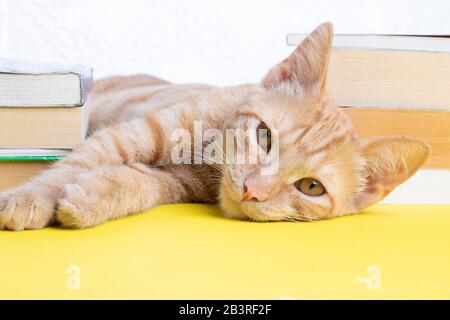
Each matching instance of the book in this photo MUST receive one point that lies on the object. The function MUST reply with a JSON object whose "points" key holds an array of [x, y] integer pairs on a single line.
{"points": [[24, 84], [14, 173], [389, 71], [433, 126], [19, 165], [45, 127]]}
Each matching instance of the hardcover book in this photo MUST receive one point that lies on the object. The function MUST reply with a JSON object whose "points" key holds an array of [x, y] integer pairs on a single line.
{"points": [[389, 71], [45, 127], [24, 84]]}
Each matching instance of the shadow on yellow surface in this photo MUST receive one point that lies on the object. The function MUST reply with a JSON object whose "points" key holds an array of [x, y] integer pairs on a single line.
{"points": [[190, 251]]}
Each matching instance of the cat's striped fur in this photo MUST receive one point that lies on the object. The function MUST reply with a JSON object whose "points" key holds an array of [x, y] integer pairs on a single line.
{"points": [[125, 165]]}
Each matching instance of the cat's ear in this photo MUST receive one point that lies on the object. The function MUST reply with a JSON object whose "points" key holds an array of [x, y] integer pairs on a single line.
{"points": [[306, 68], [389, 161]]}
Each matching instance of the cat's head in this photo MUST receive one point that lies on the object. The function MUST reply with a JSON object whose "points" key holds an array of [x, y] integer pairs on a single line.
{"points": [[323, 169]]}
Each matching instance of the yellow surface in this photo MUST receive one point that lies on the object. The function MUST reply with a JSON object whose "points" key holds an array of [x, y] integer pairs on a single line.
{"points": [[190, 251]]}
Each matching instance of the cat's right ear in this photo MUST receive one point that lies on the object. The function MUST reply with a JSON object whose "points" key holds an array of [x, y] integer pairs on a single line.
{"points": [[389, 161], [306, 68]]}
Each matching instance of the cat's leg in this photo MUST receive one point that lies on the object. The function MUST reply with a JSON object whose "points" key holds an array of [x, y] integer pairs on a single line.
{"points": [[115, 191], [32, 205]]}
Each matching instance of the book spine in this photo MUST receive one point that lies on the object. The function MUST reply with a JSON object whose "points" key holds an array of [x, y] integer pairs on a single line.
{"points": [[86, 82]]}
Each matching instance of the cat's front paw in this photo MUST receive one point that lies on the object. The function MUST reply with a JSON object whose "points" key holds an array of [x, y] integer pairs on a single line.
{"points": [[26, 208], [81, 203], [73, 209]]}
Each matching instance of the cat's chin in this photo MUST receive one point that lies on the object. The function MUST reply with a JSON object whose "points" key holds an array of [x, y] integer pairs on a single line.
{"points": [[248, 212], [231, 208], [239, 214]]}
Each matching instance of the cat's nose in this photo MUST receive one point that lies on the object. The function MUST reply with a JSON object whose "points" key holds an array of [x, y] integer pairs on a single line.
{"points": [[257, 188]]}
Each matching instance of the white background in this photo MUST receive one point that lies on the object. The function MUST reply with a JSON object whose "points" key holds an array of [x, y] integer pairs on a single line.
{"points": [[217, 42]]}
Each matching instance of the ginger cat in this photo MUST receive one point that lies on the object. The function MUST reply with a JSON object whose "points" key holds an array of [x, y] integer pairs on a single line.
{"points": [[126, 165]]}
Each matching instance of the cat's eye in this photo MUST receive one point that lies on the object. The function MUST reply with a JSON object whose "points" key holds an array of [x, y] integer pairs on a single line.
{"points": [[310, 187], [264, 137]]}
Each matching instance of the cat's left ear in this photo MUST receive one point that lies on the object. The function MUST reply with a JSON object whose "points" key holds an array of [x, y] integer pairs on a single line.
{"points": [[389, 161], [306, 68]]}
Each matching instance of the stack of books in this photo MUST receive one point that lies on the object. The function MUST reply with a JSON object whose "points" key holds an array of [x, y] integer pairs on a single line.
{"points": [[394, 85], [43, 115]]}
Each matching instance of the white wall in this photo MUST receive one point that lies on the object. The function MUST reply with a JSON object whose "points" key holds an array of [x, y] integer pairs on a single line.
{"points": [[219, 42]]}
